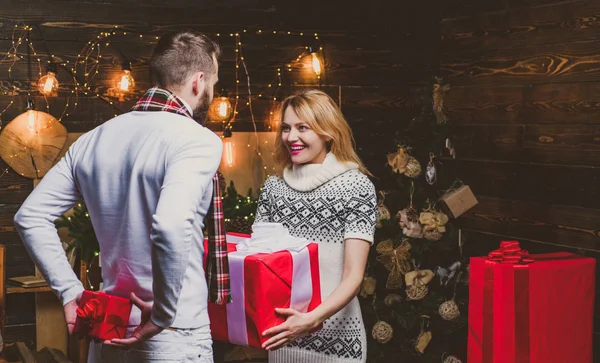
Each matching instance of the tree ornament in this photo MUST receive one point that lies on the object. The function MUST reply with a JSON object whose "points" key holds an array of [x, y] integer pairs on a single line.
{"points": [[396, 260], [446, 274], [424, 276], [413, 168], [430, 171], [392, 299], [417, 291], [382, 332], [367, 287], [449, 309], [439, 93], [424, 337], [433, 223], [408, 218], [398, 160], [383, 214], [450, 359]]}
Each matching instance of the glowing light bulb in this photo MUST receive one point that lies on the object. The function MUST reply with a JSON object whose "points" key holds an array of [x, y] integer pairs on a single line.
{"points": [[127, 83], [316, 63], [224, 108], [228, 152], [48, 84], [31, 124]]}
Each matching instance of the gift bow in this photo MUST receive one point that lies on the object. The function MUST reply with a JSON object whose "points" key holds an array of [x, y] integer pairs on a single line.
{"points": [[92, 311], [433, 221], [510, 252], [396, 260]]}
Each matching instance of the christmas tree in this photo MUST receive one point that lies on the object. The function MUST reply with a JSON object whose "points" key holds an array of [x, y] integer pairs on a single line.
{"points": [[415, 292]]}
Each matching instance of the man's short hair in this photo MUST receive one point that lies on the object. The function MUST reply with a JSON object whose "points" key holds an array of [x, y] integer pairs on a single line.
{"points": [[180, 54]]}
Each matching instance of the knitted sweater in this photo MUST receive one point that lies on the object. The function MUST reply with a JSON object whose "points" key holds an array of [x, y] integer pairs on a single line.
{"points": [[325, 203]]}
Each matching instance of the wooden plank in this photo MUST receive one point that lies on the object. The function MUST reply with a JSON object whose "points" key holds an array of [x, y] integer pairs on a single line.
{"points": [[561, 225], [13, 187], [550, 144], [550, 103], [25, 290], [524, 26], [563, 184], [26, 354], [561, 62]]}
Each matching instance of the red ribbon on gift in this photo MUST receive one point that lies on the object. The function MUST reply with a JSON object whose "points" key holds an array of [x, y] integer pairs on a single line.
{"points": [[510, 252], [92, 310]]}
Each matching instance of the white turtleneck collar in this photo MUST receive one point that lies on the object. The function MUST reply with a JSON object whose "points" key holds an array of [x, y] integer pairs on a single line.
{"points": [[307, 177]]}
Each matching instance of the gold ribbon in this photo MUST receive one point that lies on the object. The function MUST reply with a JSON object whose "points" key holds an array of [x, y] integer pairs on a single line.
{"points": [[396, 260]]}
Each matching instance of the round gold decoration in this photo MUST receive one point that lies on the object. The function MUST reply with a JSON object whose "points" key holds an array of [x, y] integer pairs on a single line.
{"points": [[449, 310], [31, 143], [382, 332], [413, 168]]}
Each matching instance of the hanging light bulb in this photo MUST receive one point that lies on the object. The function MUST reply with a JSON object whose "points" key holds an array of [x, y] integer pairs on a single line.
{"points": [[48, 84], [228, 146], [126, 83], [316, 62], [220, 108]]}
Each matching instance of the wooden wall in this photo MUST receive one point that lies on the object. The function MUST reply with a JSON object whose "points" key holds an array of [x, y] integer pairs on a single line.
{"points": [[525, 99], [377, 56]]}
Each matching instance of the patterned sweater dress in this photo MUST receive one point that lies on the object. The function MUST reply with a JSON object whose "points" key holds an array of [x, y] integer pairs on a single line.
{"points": [[325, 203]]}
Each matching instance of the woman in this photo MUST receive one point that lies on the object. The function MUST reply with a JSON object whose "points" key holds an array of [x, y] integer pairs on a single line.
{"points": [[323, 195]]}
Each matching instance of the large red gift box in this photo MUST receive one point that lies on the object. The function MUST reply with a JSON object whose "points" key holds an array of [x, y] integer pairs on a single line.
{"points": [[260, 282], [102, 316], [533, 309]]}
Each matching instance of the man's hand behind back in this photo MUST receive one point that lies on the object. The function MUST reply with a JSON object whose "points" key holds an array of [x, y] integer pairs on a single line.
{"points": [[146, 330]]}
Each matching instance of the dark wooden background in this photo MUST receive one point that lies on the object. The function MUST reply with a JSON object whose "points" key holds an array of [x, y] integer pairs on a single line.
{"points": [[525, 94], [524, 77], [377, 57]]}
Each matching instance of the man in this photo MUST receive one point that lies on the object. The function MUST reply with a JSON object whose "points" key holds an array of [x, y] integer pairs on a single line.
{"points": [[146, 178]]}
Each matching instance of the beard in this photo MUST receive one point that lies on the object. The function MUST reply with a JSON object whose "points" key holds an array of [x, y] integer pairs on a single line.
{"points": [[201, 111]]}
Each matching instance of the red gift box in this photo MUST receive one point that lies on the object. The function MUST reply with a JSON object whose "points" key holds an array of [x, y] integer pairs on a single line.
{"points": [[102, 316], [261, 282], [533, 309]]}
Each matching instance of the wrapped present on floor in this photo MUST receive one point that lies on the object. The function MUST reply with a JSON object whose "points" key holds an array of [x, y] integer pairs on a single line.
{"points": [[102, 316], [459, 201], [533, 309], [268, 270]]}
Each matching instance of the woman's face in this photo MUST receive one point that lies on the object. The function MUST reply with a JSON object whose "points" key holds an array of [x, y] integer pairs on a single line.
{"points": [[304, 145]]}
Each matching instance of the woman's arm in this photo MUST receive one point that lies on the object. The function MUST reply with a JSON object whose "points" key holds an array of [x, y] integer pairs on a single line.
{"points": [[298, 324]]}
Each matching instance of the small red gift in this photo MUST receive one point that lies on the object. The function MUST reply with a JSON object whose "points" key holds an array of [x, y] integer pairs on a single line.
{"points": [[262, 279], [530, 308], [102, 316]]}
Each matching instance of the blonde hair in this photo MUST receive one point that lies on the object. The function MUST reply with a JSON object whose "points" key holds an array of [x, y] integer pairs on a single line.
{"points": [[325, 118]]}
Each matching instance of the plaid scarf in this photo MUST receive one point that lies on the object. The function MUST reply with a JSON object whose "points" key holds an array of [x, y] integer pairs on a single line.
{"points": [[217, 264]]}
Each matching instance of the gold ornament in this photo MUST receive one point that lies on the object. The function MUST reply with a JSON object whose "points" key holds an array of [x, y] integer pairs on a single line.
{"points": [[398, 160], [417, 291], [424, 277], [439, 93], [433, 235], [449, 310], [367, 287], [434, 223], [392, 299], [450, 359], [396, 260], [383, 214], [424, 336], [382, 332], [413, 168]]}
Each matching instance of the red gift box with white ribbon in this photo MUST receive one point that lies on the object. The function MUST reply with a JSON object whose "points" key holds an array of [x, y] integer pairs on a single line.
{"points": [[265, 277]]}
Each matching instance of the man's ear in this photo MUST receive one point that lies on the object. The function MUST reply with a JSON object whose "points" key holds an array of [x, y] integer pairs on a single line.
{"points": [[198, 82]]}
